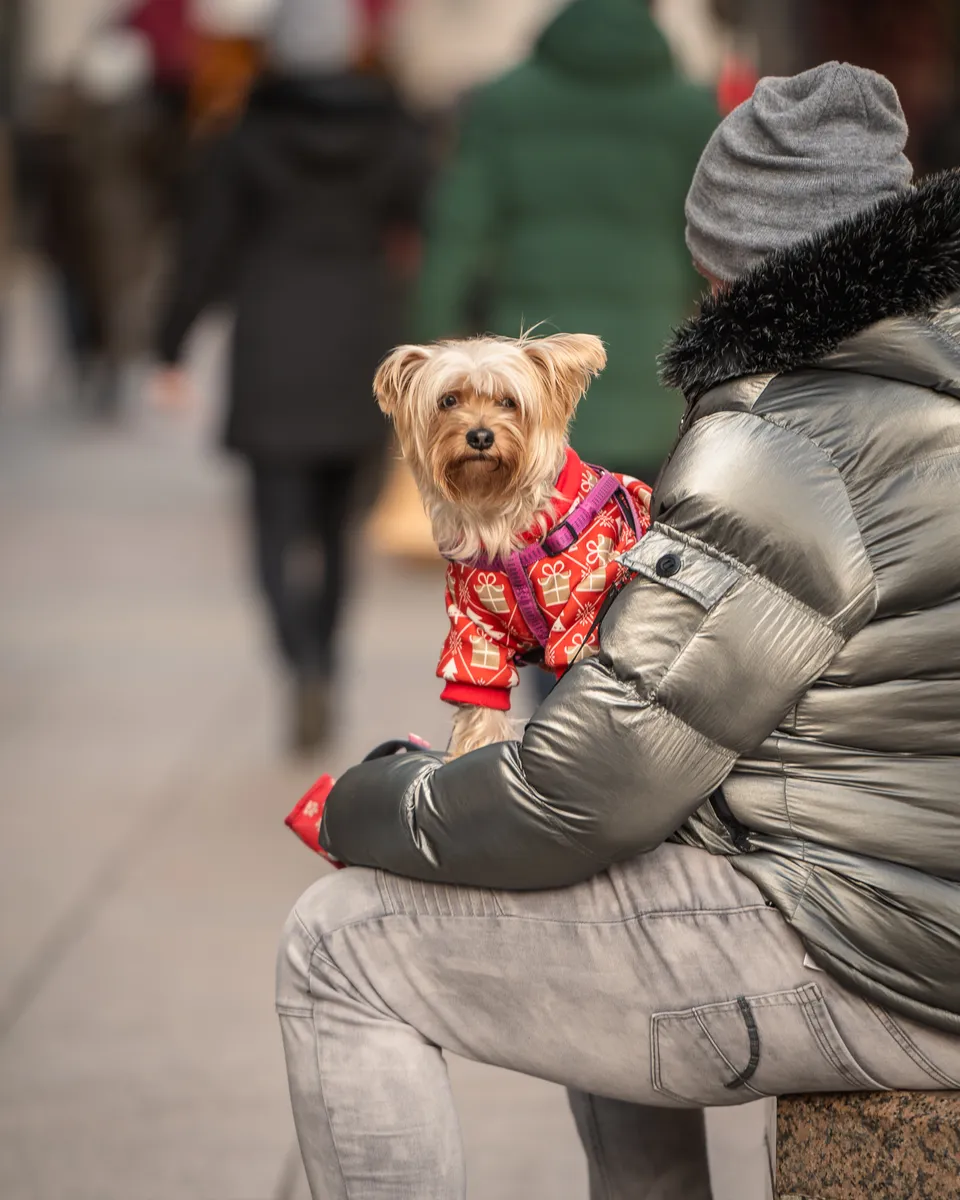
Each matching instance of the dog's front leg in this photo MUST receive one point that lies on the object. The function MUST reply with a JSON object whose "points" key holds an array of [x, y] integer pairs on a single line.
{"points": [[474, 727]]}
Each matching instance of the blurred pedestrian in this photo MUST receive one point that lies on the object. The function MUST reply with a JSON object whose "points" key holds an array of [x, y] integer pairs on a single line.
{"points": [[292, 212], [563, 204], [90, 152], [101, 154]]}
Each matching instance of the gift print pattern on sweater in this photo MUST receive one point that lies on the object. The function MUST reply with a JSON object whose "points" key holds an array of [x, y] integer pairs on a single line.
{"points": [[488, 632]]}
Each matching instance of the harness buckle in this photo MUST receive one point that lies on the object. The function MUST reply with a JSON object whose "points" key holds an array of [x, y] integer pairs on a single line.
{"points": [[560, 544]]}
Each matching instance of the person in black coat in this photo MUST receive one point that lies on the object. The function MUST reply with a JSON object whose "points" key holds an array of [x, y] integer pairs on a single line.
{"points": [[292, 212]]}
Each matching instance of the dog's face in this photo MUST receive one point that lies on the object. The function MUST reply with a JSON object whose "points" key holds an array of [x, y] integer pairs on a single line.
{"points": [[479, 420], [477, 440]]}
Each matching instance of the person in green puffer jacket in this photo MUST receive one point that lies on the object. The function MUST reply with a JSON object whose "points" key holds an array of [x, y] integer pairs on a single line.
{"points": [[563, 204]]}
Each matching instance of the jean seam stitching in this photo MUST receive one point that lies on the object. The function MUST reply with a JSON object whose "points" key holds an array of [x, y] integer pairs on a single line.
{"points": [[320, 952], [656, 1062], [386, 899], [326, 1108], [316, 951], [595, 1141], [312, 938], [507, 916], [912, 1051], [820, 1032], [652, 916], [785, 999]]}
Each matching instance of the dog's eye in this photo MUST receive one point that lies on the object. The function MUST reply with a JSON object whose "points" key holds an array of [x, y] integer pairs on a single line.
{"points": [[448, 402], [508, 402]]}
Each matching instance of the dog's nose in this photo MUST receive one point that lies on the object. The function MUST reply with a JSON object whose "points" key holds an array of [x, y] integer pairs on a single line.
{"points": [[479, 439]]}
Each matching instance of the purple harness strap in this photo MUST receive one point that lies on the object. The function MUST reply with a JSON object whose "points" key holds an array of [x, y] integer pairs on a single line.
{"points": [[517, 565]]}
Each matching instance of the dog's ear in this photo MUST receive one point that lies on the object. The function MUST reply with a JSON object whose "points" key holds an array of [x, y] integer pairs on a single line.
{"points": [[396, 373], [566, 362]]}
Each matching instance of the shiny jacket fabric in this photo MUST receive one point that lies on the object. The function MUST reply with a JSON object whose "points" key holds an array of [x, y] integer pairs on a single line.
{"points": [[780, 682]]}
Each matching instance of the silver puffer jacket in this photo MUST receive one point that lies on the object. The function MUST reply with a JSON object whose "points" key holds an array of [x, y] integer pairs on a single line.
{"points": [[780, 681]]}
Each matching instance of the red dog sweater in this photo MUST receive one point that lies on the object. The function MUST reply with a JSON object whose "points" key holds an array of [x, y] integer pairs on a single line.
{"points": [[488, 631]]}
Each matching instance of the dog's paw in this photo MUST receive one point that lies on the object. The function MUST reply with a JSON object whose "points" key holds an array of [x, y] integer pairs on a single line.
{"points": [[475, 727]]}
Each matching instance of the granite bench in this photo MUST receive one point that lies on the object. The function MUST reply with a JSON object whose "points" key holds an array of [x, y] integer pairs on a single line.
{"points": [[869, 1146]]}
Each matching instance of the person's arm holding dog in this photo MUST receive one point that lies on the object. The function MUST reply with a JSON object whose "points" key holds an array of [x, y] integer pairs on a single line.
{"points": [[701, 657]]}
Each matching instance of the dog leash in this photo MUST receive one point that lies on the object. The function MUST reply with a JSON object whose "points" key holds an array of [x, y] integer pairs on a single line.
{"points": [[517, 564]]}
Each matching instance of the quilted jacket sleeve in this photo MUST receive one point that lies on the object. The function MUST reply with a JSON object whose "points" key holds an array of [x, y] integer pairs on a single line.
{"points": [[751, 579]]}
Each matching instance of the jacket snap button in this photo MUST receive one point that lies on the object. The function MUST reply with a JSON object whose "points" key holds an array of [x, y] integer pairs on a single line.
{"points": [[667, 565]]}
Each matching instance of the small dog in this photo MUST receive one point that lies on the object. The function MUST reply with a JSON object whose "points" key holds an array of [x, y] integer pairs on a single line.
{"points": [[483, 425]]}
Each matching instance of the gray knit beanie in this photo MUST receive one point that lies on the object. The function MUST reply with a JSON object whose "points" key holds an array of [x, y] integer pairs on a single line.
{"points": [[802, 153]]}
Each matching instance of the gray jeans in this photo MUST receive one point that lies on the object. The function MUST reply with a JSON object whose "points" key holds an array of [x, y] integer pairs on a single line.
{"points": [[663, 985]]}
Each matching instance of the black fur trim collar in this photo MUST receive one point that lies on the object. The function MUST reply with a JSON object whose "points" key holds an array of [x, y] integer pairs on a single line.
{"points": [[900, 258]]}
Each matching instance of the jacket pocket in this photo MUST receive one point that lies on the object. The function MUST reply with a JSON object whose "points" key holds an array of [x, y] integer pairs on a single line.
{"points": [[685, 565], [752, 1046]]}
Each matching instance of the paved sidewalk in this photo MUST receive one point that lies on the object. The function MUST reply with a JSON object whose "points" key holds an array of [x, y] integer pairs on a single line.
{"points": [[144, 868]]}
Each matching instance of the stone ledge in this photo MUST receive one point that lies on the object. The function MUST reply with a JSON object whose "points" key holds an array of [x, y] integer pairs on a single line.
{"points": [[854, 1146]]}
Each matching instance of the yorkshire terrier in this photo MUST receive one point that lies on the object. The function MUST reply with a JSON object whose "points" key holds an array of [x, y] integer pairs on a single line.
{"points": [[532, 535]]}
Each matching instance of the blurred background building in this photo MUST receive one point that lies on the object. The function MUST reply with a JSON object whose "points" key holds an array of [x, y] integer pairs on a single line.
{"points": [[144, 867]]}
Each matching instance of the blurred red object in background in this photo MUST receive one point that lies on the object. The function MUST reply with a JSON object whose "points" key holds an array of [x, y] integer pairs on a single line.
{"points": [[166, 26], [374, 17], [738, 78]]}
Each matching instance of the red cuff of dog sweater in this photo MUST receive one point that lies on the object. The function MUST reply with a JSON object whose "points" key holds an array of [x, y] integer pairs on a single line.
{"points": [[477, 696], [307, 815]]}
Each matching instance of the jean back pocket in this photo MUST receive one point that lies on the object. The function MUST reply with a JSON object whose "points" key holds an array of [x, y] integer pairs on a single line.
{"points": [[737, 1050]]}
